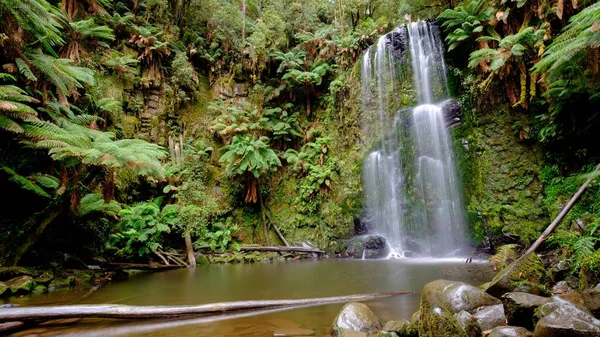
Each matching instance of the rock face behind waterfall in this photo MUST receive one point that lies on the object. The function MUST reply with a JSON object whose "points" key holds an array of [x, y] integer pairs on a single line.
{"points": [[368, 247]]}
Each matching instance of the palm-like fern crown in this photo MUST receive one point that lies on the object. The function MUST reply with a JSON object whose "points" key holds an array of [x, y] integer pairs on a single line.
{"points": [[246, 154], [61, 72], [582, 33], [13, 107], [74, 144], [39, 18]]}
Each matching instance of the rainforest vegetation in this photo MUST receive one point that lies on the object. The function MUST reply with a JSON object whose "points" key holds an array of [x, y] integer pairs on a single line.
{"points": [[132, 127]]}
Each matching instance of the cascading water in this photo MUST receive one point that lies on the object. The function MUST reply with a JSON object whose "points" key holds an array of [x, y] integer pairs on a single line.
{"points": [[412, 194]]}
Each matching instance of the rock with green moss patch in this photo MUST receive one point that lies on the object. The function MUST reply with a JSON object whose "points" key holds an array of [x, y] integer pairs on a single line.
{"points": [[7, 273], [44, 278], [395, 326], [40, 289], [520, 307], [441, 299], [21, 284], [356, 317], [3, 288], [468, 323], [529, 268], [61, 283]]}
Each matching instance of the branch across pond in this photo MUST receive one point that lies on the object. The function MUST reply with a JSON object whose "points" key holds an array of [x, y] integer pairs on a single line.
{"points": [[149, 312]]}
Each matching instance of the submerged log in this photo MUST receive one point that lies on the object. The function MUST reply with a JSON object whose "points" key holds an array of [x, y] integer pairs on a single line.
{"points": [[146, 312], [8, 326]]}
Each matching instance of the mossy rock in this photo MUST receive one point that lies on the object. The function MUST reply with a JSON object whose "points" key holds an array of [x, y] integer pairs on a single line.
{"points": [[440, 323], [529, 268], [45, 277], [520, 307], [3, 288], [442, 299], [21, 284], [40, 289], [62, 283], [7, 273]]}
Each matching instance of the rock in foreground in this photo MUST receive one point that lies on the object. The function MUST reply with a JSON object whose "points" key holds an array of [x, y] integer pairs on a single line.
{"points": [[355, 317]]}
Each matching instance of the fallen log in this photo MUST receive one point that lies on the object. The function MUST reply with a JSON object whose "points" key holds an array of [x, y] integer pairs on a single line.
{"points": [[281, 249], [140, 266], [147, 312], [563, 213]]}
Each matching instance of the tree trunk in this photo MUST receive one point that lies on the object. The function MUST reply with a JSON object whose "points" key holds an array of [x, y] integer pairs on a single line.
{"points": [[262, 212], [189, 249], [53, 213], [147, 312], [244, 23], [281, 237], [563, 213]]}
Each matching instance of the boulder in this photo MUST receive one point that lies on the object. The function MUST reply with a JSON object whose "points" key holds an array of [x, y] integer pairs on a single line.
{"points": [[44, 278], [356, 317], [21, 284], [591, 298], [395, 326], [528, 268], [468, 323], [40, 289], [3, 288], [563, 318], [509, 331], [562, 287], [490, 317], [519, 308], [7, 273], [441, 299], [532, 288], [368, 246]]}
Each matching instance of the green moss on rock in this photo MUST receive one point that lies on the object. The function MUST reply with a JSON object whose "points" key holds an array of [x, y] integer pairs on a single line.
{"points": [[527, 268]]}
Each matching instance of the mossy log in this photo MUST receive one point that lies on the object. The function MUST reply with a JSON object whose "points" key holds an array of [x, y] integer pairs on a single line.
{"points": [[26, 314]]}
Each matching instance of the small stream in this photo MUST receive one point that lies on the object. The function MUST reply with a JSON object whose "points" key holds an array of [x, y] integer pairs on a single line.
{"points": [[236, 282]]}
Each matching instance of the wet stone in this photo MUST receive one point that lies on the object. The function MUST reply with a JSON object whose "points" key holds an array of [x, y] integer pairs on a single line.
{"points": [[490, 317], [356, 317], [509, 331], [519, 307]]}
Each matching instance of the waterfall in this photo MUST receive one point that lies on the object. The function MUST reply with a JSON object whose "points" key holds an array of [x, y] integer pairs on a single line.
{"points": [[411, 187]]}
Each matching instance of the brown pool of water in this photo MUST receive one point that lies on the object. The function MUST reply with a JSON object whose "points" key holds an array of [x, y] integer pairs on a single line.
{"points": [[237, 282]]}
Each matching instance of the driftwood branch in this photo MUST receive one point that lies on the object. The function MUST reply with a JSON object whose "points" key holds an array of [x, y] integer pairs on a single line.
{"points": [[146, 312], [281, 237], [281, 249], [563, 213], [161, 257]]}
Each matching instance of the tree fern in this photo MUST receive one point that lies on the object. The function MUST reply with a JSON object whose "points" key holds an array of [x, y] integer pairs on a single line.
{"points": [[39, 18], [13, 107], [66, 77], [582, 33]]}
